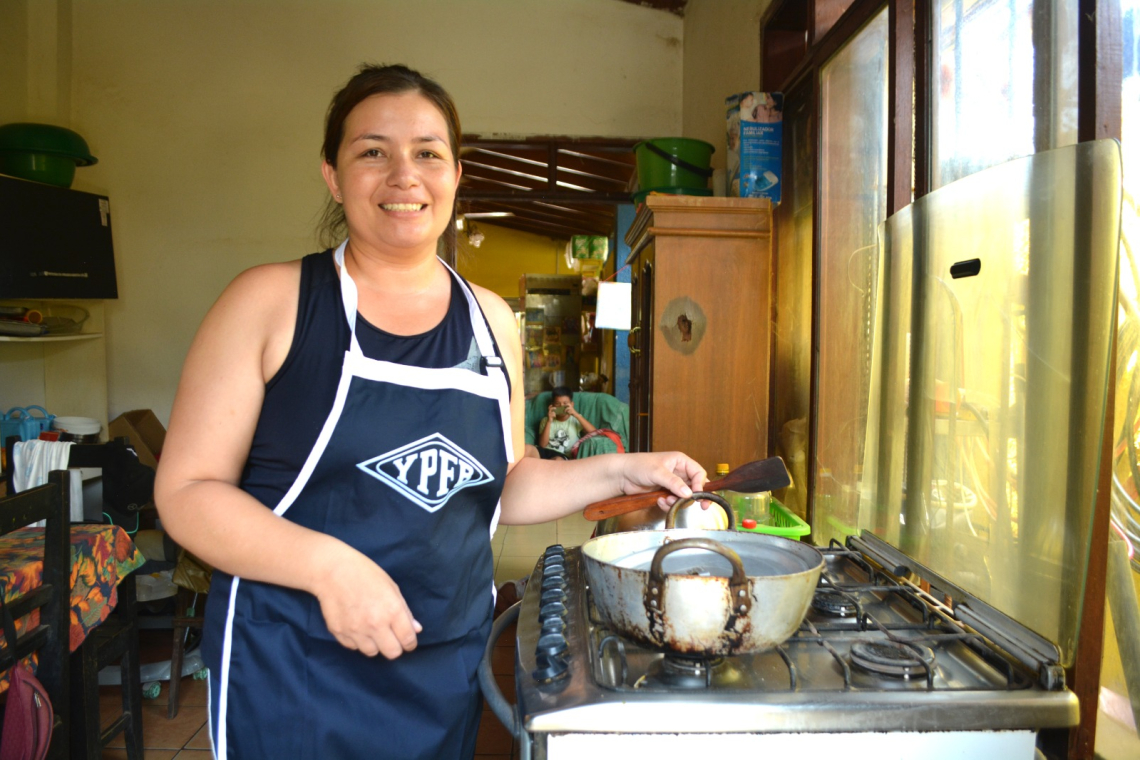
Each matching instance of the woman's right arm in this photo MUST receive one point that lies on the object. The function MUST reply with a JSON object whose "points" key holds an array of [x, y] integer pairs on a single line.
{"points": [[241, 343]]}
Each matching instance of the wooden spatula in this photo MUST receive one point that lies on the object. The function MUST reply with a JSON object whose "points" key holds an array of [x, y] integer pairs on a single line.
{"points": [[763, 475]]}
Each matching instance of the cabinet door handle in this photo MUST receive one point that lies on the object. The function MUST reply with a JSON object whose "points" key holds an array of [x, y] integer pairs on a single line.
{"points": [[81, 275], [632, 342]]}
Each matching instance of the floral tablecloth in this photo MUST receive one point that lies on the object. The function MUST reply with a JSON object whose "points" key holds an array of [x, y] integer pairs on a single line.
{"points": [[101, 556]]}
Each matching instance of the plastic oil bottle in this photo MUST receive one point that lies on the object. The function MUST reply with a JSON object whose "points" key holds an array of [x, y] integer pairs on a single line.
{"points": [[751, 509]]}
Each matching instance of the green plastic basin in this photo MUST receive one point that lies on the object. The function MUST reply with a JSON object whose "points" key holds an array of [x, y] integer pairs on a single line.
{"points": [[42, 153], [48, 168]]}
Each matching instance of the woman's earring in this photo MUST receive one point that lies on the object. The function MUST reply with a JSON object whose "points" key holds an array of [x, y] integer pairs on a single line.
{"points": [[338, 197]]}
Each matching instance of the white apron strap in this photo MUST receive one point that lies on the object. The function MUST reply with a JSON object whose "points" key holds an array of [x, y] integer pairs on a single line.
{"points": [[348, 296], [492, 362]]}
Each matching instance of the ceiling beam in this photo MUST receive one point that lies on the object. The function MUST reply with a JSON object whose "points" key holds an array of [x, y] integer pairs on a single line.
{"points": [[553, 213], [556, 231], [568, 197], [552, 186], [503, 167], [604, 144]]}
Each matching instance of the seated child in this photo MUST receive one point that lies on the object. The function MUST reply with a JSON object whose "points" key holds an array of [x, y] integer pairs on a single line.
{"points": [[563, 425]]}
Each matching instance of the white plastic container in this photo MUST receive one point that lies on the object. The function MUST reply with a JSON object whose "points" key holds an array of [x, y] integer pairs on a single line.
{"points": [[77, 429]]}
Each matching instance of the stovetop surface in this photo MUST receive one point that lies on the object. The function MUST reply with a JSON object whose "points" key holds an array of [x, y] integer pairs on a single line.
{"points": [[944, 676], [900, 645]]}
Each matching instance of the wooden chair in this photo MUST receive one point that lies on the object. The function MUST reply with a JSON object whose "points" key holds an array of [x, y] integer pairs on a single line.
{"points": [[115, 640], [183, 622], [51, 637]]}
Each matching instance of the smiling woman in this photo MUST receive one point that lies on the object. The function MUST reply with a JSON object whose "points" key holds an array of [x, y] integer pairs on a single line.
{"points": [[383, 79], [346, 435], [397, 172]]}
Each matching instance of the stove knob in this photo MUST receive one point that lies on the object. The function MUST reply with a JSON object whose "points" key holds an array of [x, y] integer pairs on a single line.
{"points": [[552, 645], [554, 551], [552, 619], [553, 581], [552, 595], [553, 566], [553, 625], [549, 669], [552, 609]]}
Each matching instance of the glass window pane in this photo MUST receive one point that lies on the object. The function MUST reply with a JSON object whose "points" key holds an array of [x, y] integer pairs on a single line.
{"points": [[1003, 402], [791, 332], [853, 202], [1115, 737], [1005, 82]]}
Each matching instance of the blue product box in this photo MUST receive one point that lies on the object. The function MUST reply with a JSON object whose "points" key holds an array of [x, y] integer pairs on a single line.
{"points": [[755, 144]]}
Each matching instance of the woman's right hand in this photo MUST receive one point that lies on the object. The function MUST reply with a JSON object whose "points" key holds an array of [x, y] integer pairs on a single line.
{"points": [[363, 606]]}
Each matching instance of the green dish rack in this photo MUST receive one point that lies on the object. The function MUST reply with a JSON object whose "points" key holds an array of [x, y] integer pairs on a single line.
{"points": [[781, 522]]}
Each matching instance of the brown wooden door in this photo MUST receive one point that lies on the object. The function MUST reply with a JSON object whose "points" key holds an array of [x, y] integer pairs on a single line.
{"points": [[644, 421], [641, 356], [637, 362]]}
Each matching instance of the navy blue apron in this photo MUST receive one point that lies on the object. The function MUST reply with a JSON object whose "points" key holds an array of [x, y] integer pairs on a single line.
{"points": [[408, 469]]}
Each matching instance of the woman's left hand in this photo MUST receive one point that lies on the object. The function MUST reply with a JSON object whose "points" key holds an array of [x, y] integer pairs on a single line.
{"points": [[671, 470]]}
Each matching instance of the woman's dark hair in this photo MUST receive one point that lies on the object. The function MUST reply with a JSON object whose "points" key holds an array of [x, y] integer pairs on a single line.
{"points": [[380, 80]]}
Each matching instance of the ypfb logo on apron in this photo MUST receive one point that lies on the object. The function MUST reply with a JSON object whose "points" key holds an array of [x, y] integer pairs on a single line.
{"points": [[428, 471]]}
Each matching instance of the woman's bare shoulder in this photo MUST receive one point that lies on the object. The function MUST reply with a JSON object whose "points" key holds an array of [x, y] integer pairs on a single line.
{"points": [[256, 314], [499, 315], [266, 283], [496, 309]]}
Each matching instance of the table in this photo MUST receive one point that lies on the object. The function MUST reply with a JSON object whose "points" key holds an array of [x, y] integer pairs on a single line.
{"points": [[101, 556]]}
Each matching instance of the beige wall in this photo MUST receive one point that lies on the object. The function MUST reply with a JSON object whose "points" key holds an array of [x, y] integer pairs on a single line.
{"points": [[13, 60], [206, 119], [722, 57], [507, 254], [35, 60]]}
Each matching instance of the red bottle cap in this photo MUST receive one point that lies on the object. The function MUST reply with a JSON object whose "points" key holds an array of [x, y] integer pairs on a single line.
{"points": [[748, 522]]}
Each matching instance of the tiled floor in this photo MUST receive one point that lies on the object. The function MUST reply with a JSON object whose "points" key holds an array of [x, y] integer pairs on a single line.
{"points": [[517, 549]]}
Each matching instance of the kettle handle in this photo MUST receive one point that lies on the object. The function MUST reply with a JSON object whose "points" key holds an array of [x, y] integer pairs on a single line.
{"points": [[715, 498]]}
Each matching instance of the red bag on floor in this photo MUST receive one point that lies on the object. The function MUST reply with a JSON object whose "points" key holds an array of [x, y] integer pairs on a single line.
{"points": [[28, 714], [28, 718]]}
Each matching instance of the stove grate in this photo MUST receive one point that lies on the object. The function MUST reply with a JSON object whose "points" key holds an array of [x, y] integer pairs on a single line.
{"points": [[934, 627]]}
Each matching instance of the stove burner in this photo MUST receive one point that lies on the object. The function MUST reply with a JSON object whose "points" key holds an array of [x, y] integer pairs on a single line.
{"points": [[889, 658], [833, 604], [676, 672]]}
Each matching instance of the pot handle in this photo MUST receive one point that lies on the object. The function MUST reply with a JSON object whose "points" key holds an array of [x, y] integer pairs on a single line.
{"points": [[715, 498], [655, 586]]}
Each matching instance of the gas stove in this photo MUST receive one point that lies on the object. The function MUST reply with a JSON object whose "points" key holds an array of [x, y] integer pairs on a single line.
{"points": [[890, 658]]}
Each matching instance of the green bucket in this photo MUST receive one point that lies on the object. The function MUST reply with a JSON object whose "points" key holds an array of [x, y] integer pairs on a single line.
{"points": [[674, 162]]}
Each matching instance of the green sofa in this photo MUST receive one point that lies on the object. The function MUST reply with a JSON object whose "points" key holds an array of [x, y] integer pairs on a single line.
{"points": [[601, 409]]}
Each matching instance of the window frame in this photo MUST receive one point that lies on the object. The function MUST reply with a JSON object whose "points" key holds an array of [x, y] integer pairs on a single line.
{"points": [[797, 37]]}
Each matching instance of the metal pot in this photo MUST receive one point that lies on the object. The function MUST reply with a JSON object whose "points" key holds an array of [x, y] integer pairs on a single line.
{"points": [[697, 592]]}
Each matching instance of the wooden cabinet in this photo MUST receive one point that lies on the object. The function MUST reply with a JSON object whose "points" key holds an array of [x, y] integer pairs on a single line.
{"points": [[699, 342], [54, 242]]}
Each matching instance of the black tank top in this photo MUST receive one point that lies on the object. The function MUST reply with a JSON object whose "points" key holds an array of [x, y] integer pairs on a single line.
{"points": [[298, 398]]}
